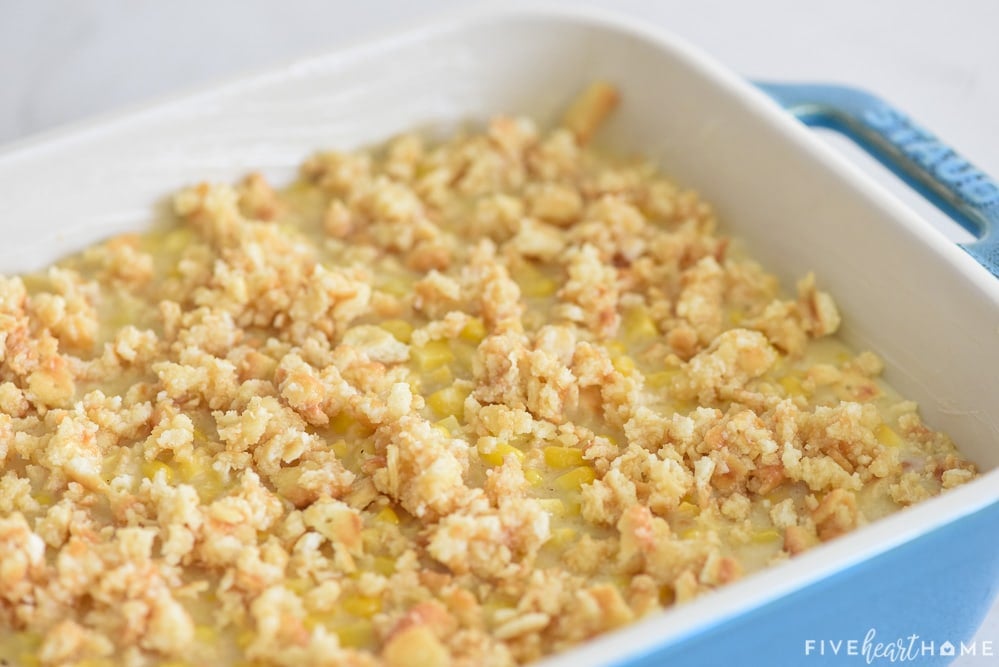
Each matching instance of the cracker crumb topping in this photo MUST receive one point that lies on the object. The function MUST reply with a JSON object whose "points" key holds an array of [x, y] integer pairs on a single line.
{"points": [[466, 403]]}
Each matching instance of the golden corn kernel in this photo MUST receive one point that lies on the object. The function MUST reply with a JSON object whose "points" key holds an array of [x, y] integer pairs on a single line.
{"points": [[622, 581], [464, 355], [792, 385], [690, 533], [474, 331], [433, 355], [28, 660], [210, 488], [660, 379], [735, 317], [340, 448], [776, 496], [667, 595], [493, 458], [199, 474], [449, 425], [384, 566], [499, 452], [370, 536], [357, 634], [190, 469], [616, 348], [562, 536], [245, 637], [624, 364], [298, 584], [177, 239], [387, 515], [638, 325], [43, 498], [449, 401], [497, 601], [534, 283], [553, 506], [124, 314], [361, 605], [575, 479], [440, 376], [684, 407], [151, 468], [765, 536], [687, 509], [400, 329], [342, 422], [561, 509], [206, 634], [887, 436], [563, 457], [533, 477], [395, 286]]}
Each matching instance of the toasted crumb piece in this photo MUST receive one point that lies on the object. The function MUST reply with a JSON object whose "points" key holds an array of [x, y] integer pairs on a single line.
{"points": [[956, 477], [416, 646], [68, 641], [820, 313], [733, 358], [257, 198], [591, 292], [554, 203], [797, 539], [423, 469], [836, 514], [909, 489], [589, 110]]}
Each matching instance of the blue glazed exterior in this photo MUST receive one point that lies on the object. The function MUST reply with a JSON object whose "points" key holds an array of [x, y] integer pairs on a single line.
{"points": [[915, 155], [936, 588]]}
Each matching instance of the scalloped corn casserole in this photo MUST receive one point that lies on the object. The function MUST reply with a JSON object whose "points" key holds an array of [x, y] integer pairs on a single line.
{"points": [[458, 403]]}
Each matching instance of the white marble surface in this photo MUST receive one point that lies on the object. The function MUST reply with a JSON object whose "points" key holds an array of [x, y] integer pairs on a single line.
{"points": [[65, 60]]}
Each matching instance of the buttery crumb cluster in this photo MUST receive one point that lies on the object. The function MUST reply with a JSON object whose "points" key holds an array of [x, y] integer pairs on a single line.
{"points": [[457, 404]]}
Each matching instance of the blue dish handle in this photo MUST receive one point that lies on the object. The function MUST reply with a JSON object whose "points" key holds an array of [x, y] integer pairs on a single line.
{"points": [[916, 156]]}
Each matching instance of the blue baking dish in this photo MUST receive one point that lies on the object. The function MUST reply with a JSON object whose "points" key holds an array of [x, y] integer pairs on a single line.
{"points": [[923, 577]]}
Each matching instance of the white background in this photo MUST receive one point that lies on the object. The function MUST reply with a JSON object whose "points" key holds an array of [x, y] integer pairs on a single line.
{"points": [[65, 60]]}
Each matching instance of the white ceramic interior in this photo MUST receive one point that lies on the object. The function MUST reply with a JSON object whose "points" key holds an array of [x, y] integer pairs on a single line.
{"points": [[904, 289]]}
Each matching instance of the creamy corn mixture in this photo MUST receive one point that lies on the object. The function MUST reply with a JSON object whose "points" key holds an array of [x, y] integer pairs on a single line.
{"points": [[457, 404]]}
